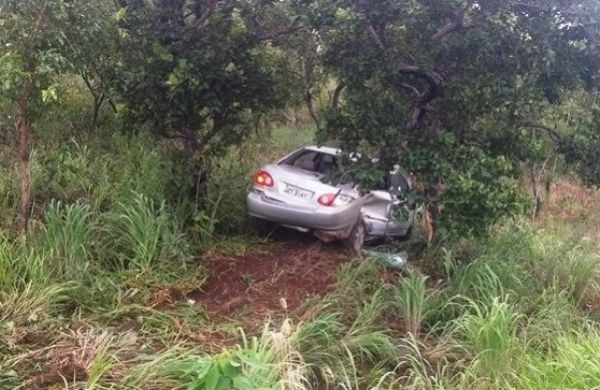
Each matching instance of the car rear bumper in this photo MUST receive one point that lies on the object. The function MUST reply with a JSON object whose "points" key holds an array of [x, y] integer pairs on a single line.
{"points": [[322, 218]]}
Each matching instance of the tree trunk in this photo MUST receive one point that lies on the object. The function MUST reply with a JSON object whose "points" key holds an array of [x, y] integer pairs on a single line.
{"points": [[536, 177], [98, 102], [432, 212], [23, 134]]}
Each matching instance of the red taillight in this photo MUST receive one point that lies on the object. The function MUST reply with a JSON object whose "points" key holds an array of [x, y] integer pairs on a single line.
{"points": [[263, 178], [335, 200], [327, 199]]}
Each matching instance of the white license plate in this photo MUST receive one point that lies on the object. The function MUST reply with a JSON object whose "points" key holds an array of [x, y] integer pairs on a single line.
{"points": [[297, 192]]}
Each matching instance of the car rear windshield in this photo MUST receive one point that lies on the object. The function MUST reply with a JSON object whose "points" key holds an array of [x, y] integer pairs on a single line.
{"points": [[312, 161]]}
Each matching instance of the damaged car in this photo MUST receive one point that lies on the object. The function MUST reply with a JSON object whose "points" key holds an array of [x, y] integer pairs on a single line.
{"points": [[295, 192]]}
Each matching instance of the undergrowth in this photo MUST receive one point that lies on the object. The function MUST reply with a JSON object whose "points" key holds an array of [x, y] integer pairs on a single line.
{"points": [[97, 295]]}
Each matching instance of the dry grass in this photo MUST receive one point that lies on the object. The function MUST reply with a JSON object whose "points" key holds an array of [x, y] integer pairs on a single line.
{"points": [[85, 355]]}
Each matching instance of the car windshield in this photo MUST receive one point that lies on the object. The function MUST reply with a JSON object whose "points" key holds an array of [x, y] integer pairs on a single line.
{"points": [[313, 161]]}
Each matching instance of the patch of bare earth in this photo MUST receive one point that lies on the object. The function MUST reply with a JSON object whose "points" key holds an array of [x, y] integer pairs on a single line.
{"points": [[250, 286]]}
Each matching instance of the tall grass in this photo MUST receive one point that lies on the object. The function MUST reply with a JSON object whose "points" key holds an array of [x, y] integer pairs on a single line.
{"points": [[67, 237], [140, 234], [31, 304], [489, 334], [413, 301], [573, 363]]}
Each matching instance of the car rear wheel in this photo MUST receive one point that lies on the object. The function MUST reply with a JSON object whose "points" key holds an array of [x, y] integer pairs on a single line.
{"points": [[355, 241]]}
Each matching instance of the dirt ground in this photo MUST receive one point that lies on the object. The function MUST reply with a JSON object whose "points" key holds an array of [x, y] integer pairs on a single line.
{"points": [[273, 280]]}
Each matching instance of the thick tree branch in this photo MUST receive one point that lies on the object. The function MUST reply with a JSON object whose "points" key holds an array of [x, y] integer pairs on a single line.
{"points": [[308, 99], [335, 98], [530, 123], [433, 82], [455, 25], [378, 40], [411, 89]]}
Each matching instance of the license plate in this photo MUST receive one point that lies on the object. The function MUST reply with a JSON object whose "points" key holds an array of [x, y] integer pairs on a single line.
{"points": [[297, 192]]}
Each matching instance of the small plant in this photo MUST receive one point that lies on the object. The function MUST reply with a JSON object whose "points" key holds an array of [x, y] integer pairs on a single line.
{"points": [[66, 237], [247, 278], [413, 301], [266, 362], [140, 234], [490, 334]]}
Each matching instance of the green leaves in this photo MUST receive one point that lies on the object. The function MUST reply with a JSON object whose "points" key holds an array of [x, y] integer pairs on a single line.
{"points": [[219, 372], [121, 14], [199, 73], [50, 94], [582, 150], [11, 72], [162, 52], [441, 90]]}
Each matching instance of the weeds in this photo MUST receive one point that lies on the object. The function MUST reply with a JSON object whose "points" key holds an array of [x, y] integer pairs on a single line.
{"points": [[140, 234], [67, 238], [490, 334], [413, 301]]}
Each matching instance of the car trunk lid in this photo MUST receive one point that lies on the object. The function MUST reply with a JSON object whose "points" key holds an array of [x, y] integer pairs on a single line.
{"points": [[296, 186]]}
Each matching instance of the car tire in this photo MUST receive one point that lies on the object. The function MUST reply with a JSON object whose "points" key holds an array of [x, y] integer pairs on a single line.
{"points": [[355, 241]]}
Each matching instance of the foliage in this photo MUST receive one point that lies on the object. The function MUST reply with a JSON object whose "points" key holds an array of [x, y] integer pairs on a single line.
{"points": [[454, 92], [581, 150], [195, 71], [140, 234], [67, 238]]}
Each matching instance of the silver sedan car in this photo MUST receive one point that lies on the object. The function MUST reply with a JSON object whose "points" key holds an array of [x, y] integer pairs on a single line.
{"points": [[292, 192]]}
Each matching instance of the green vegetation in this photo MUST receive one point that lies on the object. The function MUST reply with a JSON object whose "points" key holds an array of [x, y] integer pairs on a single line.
{"points": [[513, 310], [129, 131]]}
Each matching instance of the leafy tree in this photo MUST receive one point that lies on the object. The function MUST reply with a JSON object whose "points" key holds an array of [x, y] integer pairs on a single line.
{"points": [[455, 91], [582, 150], [197, 70], [92, 37], [35, 49], [28, 61]]}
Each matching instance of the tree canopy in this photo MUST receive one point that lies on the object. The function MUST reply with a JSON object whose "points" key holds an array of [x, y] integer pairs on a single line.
{"points": [[195, 70], [455, 91]]}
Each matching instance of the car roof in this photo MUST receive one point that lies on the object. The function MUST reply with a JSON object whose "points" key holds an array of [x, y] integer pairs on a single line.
{"points": [[323, 149]]}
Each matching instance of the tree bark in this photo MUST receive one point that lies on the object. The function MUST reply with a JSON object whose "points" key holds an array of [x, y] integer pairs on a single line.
{"points": [[98, 102], [23, 126]]}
